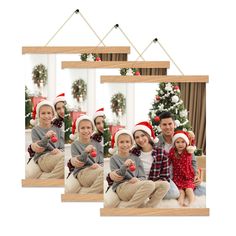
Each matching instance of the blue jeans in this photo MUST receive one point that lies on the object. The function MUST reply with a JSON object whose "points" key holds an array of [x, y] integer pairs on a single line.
{"points": [[200, 190], [173, 192]]}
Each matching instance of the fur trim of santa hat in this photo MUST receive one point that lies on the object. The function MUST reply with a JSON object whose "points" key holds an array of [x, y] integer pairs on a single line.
{"points": [[75, 126], [99, 112], [35, 113], [185, 136], [146, 127], [115, 137], [59, 98]]}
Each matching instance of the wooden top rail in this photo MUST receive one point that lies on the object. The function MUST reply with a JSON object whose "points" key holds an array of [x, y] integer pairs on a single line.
{"points": [[154, 79], [74, 49], [114, 64]]}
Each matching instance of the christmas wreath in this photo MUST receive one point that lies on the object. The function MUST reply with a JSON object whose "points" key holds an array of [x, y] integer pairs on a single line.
{"points": [[89, 57], [79, 90], [40, 74], [129, 71], [118, 104]]}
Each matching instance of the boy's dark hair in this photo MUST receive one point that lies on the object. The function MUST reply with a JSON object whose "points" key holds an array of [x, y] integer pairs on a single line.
{"points": [[165, 115]]}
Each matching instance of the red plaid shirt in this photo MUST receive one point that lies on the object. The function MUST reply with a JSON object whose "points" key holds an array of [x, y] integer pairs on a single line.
{"points": [[160, 169]]}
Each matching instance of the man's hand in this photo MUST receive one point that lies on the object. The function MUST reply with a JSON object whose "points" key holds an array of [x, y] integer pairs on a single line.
{"points": [[197, 179]]}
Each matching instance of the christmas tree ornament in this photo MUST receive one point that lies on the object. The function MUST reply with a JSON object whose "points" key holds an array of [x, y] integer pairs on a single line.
{"points": [[168, 87], [129, 72], [54, 139], [157, 119], [183, 113], [175, 99], [90, 57], [93, 154], [177, 123], [132, 167]]}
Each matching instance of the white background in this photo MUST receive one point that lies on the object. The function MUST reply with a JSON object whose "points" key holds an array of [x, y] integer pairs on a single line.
{"points": [[200, 35]]}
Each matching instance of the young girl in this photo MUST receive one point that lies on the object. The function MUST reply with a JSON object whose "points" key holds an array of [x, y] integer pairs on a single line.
{"points": [[183, 174], [87, 167], [133, 187], [49, 157]]}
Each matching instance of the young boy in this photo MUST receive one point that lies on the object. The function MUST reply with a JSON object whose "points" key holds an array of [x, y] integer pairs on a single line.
{"points": [[134, 188]]}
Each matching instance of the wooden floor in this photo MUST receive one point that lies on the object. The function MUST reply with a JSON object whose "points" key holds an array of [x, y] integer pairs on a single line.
{"points": [[42, 182], [154, 212], [69, 197]]}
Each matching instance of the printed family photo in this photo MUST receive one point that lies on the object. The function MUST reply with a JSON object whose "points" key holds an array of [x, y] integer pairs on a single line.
{"points": [[44, 121], [157, 160]]}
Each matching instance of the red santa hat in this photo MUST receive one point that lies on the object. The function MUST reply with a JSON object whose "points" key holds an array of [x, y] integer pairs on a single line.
{"points": [[146, 127], [186, 137], [59, 98], [75, 126], [99, 112], [35, 113], [115, 137]]}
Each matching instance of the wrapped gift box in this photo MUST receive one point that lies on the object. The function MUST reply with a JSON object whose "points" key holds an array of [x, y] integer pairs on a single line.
{"points": [[201, 162], [36, 100], [114, 128], [76, 114]]}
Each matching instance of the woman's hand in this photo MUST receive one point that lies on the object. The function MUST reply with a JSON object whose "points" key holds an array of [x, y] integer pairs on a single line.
{"points": [[36, 148], [115, 177], [94, 166], [55, 151], [133, 180], [89, 148], [76, 163]]}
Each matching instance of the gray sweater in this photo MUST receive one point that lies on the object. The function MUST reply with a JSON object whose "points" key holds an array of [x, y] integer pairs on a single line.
{"points": [[161, 143], [117, 163], [38, 134], [77, 150]]}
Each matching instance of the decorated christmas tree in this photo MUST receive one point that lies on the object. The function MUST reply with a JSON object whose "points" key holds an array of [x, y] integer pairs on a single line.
{"points": [[107, 139], [28, 109], [68, 124], [168, 99]]}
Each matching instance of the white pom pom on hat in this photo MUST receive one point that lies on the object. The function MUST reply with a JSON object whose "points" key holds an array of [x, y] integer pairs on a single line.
{"points": [[115, 137], [185, 136], [146, 127]]}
